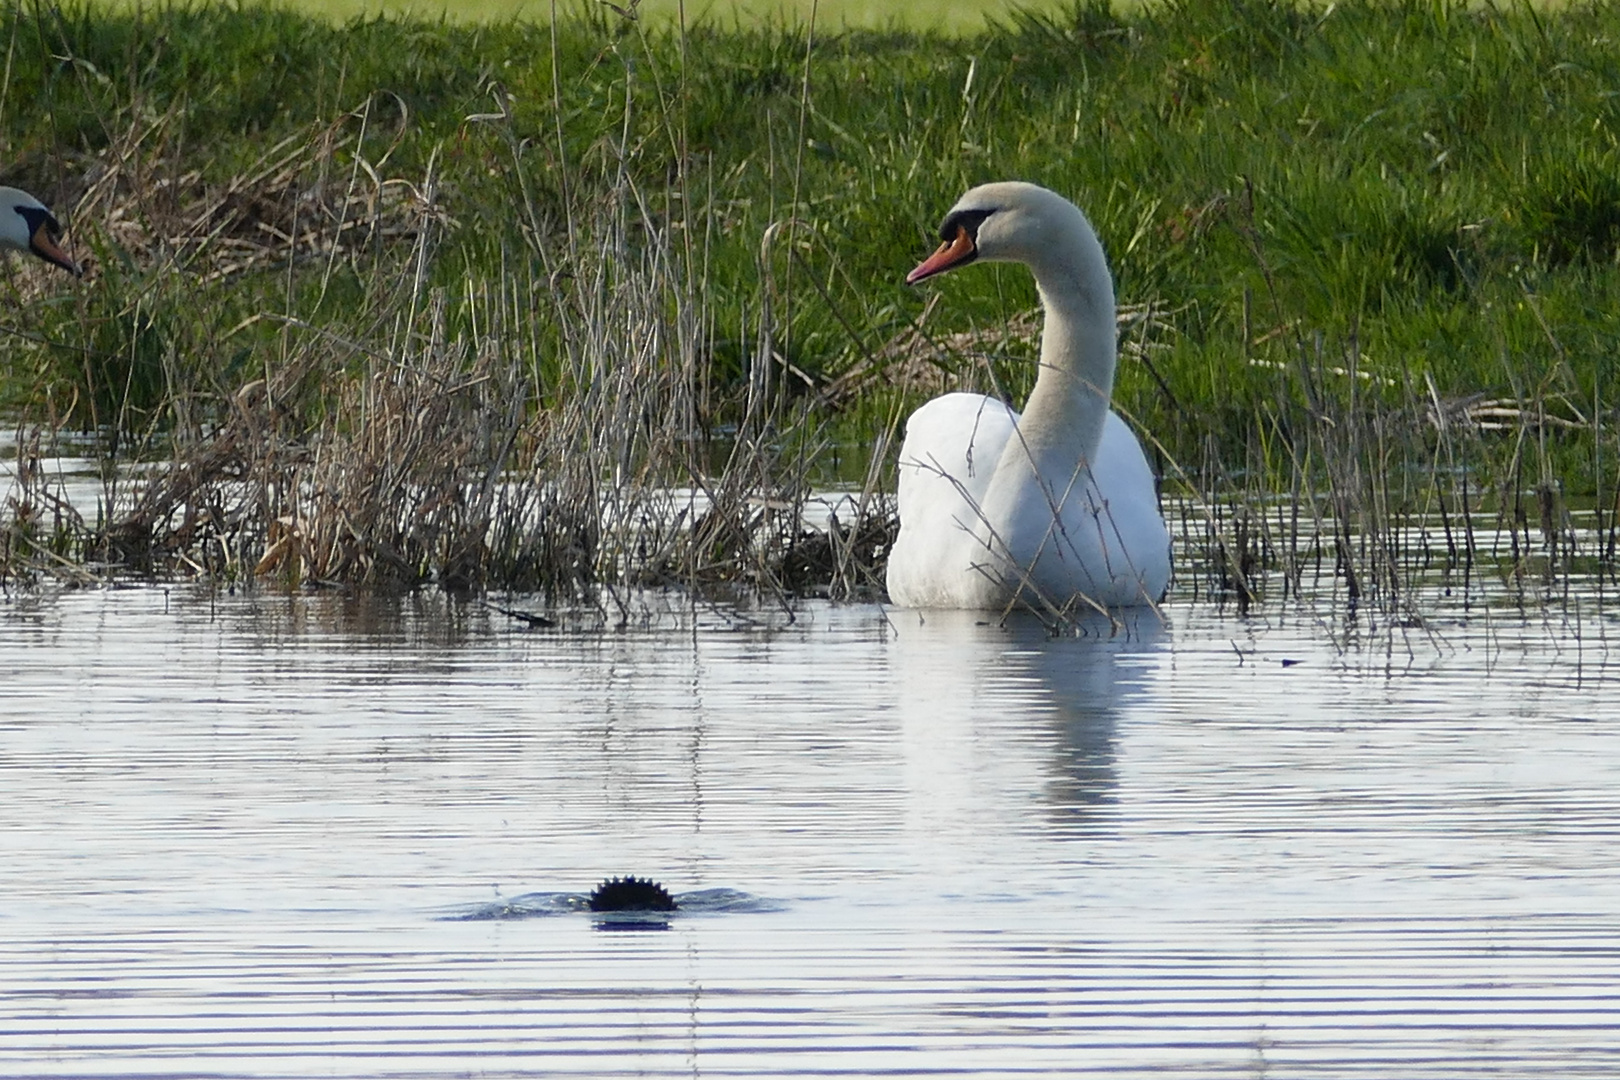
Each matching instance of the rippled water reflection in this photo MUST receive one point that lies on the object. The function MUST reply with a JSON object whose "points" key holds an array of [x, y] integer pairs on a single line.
{"points": [[238, 832]]}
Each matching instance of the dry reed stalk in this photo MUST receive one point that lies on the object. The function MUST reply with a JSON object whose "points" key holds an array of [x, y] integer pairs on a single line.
{"points": [[1379, 510], [41, 532], [544, 431]]}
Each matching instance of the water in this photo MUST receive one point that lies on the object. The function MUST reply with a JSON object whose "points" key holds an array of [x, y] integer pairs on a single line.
{"points": [[239, 835]]}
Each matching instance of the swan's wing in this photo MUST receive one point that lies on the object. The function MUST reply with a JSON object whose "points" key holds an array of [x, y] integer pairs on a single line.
{"points": [[1132, 524], [1121, 468], [950, 452], [1109, 546]]}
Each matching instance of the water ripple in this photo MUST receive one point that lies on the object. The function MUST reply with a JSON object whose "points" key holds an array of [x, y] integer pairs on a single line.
{"points": [[307, 836]]}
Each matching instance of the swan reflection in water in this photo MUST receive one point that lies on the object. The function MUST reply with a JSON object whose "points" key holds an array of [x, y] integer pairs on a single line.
{"points": [[967, 686]]}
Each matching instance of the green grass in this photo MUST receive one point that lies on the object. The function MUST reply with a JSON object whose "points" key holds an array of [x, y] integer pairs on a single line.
{"points": [[952, 16], [1343, 211]]}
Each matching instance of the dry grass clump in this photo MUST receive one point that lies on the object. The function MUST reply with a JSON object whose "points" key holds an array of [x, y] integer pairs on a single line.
{"points": [[315, 194], [328, 380], [294, 201], [542, 431]]}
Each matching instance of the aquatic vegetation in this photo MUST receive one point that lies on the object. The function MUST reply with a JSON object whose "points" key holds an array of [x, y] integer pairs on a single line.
{"points": [[547, 308]]}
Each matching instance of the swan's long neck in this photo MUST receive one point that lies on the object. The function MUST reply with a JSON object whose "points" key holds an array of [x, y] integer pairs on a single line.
{"points": [[1063, 420]]}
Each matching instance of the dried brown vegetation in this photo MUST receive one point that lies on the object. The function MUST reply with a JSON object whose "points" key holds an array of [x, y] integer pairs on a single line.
{"points": [[550, 435]]}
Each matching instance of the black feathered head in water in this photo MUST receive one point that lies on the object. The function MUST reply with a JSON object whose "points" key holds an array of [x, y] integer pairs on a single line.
{"points": [[631, 894]]}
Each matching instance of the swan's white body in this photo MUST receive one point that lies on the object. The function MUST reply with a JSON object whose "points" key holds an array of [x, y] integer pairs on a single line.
{"points": [[1055, 509], [26, 224]]}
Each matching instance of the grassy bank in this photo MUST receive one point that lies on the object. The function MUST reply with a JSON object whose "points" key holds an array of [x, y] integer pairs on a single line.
{"points": [[952, 16], [356, 276]]}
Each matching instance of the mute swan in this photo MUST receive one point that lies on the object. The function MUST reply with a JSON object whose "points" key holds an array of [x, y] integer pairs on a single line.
{"points": [[1055, 509], [26, 225]]}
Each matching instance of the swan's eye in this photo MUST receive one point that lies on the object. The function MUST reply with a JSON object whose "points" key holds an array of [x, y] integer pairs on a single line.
{"points": [[963, 220]]}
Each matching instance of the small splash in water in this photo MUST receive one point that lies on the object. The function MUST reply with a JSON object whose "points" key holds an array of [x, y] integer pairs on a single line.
{"points": [[542, 904]]}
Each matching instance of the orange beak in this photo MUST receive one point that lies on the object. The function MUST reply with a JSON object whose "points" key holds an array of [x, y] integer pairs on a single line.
{"points": [[952, 253], [43, 245]]}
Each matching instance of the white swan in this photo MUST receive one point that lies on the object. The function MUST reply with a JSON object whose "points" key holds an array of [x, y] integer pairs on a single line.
{"points": [[1056, 509], [27, 225]]}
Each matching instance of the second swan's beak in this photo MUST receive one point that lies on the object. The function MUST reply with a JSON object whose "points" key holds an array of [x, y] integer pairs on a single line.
{"points": [[951, 253], [43, 244]]}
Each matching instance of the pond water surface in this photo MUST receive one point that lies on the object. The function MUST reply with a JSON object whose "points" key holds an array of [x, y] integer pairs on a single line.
{"points": [[241, 836]]}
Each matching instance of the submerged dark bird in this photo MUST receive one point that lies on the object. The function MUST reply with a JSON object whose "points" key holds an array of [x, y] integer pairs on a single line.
{"points": [[26, 224], [631, 894]]}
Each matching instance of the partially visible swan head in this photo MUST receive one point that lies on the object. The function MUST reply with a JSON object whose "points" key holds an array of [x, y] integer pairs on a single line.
{"points": [[27, 225], [1018, 222]]}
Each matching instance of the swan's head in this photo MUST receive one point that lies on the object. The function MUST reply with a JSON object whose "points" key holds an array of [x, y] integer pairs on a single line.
{"points": [[26, 225], [1007, 222]]}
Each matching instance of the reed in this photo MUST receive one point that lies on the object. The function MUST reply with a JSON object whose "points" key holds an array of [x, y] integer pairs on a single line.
{"points": [[551, 426]]}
